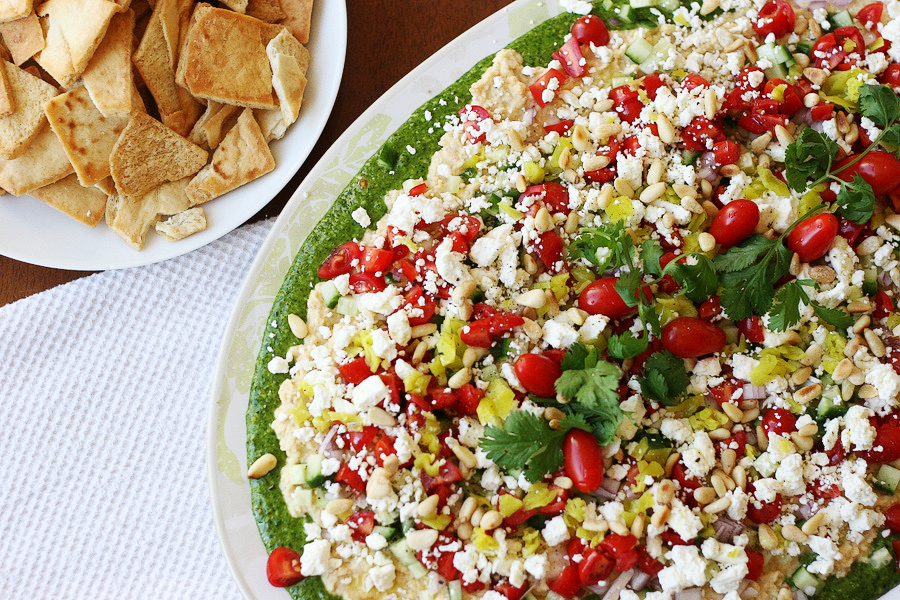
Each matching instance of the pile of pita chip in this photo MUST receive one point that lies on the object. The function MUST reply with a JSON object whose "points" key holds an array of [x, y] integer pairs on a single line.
{"points": [[138, 112]]}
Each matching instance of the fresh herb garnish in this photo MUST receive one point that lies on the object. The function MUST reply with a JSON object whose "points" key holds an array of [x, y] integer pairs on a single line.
{"points": [[664, 378], [527, 443], [698, 281], [749, 272], [609, 246], [791, 297]]}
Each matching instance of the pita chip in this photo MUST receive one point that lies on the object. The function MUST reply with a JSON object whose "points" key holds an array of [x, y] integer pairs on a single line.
{"points": [[85, 204], [72, 29], [131, 217], [271, 123], [236, 5], [87, 136], [108, 76], [218, 41], [28, 93], [43, 162], [299, 15], [148, 154], [214, 124], [266, 10], [7, 103], [288, 79], [24, 38], [179, 226], [241, 157], [10, 10], [155, 60]]}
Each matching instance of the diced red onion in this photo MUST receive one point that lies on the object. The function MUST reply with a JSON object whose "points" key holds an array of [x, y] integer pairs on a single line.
{"points": [[707, 165], [799, 595], [726, 528], [639, 581], [528, 117], [750, 432], [884, 278], [711, 402], [689, 594], [328, 447], [609, 489], [806, 511], [618, 585], [754, 392]]}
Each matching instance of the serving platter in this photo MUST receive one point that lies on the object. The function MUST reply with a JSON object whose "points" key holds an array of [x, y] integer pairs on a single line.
{"points": [[33, 232]]}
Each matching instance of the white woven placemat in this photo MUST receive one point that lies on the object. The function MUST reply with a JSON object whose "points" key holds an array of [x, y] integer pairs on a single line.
{"points": [[104, 384]]}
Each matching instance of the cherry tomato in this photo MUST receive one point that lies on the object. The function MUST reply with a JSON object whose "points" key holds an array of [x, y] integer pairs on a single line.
{"points": [[752, 328], [870, 15], [725, 391], [832, 49], [283, 567], [727, 152], [362, 522], [418, 190], [510, 591], [571, 58], [561, 127], [891, 75], [481, 333], [590, 29], [692, 81], [790, 102], [779, 421], [880, 170], [631, 110], [549, 248], [812, 237], [822, 112], [356, 371], [543, 83], [651, 84], [850, 231], [887, 442], [553, 194], [622, 548], [384, 448], [469, 399], [764, 116], [538, 374], [465, 225], [743, 94], [884, 305], [701, 134], [567, 584], [602, 298], [362, 283], [419, 305], [350, 478], [583, 459], [892, 518], [595, 566], [690, 337], [776, 17], [710, 308], [647, 563], [766, 512], [755, 563], [340, 261], [735, 222]]}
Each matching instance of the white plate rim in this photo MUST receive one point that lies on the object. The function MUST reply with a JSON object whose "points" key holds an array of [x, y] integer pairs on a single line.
{"points": [[64, 243]]}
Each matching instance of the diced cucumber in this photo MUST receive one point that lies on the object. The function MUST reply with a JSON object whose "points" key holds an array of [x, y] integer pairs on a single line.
{"points": [[296, 474], [880, 558], [385, 531], [346, 306], [404, 553], [689, 157], [607, 4], [830, 406], [455, 590], [314, 477], [803, 48], [618, 80], [417, 570], [639, 50], [330, 294], [668, 5], [888, 478], [778, 71], [626, 13], [776, 54], [387, 157], [870, 282], [657, 57], [805, 581], [304, 497], [841, 19], [642, 3]]}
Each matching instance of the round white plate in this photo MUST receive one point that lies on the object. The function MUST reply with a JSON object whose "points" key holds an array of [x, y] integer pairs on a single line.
{"points": [[226, 429], [33, 232]]}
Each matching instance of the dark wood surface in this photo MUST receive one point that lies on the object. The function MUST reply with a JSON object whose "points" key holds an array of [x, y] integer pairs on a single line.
{"points": [[386, 40]]}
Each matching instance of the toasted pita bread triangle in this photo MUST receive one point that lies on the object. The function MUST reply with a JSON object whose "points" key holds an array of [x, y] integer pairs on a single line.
{"points": [[236, 5], [108, 76], [86, 205], [179, 226], [130, 217], [73, 29], [241, 157], [299, 15], [288, 79], [28, 93], [265, 10], [148, 154], [87, 136], [7, 100], [24, 37], [43, 162], [11, 10]]}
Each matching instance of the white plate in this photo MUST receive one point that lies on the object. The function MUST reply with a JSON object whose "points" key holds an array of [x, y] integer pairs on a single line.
{"points": [[32, 232], [226, 427]]}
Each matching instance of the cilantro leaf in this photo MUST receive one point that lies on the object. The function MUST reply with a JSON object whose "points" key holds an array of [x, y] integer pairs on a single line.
{"points": [[651, 253], [602, 420], [579, 356], [609, 246], [625, 345], [749, 272], [879, 103], [785, 312], [698, 282], [650, 318], [592, 393], [664, 378], [745, 254], [526, 443], [627, 286], [838, 318], [857, 200], [809, 157], [890, 138]]}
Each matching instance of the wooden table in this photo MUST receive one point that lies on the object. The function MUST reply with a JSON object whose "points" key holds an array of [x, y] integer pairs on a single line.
{"points": [[386, 40]]}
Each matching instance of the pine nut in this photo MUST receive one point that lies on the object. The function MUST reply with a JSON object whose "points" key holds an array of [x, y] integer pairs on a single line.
{"points": [[813, 356], [718, 484], [598, 525], [473, 355], [708, 7], [750, 415], [603, 105], [739, 474], [847, 391], [811, 527], [532, 298], [893, 221], [391, 465], [543, 220], [874, 342], [704, 495], [729, 170], [801, 59], [767, 538], [460, 378], [532, 329], [607, 130], [729, 458], [717, 506], [421, 539], [492, 519], [670, 463], [428, 506], [711, 209], [811, 99], [653, 192], [857, 377], [852, 347], [623, 187], [563, 482], [762, 438], [382, 418], [869, 245], [464, 531], [822, 274], [619, 527], [515, 140], [800, 24], [637, 526], [761, 142], [660, 517], [339, 506], [817, 76], [801, 375], [572, 223], [733, 412], [464, 455], [707, 242], [809, 393], [565, 158], [719, 434], [419, 331], [521, 183], [581, 139], [803, 443], [710, 101], [379, 485], [475, 519], [576, 315], [262, 466], [868, 391], [792, 533], [859, 306], [784, 136], [843, 370], [665, 491], [809, 430], [298, 326], [666, 129], [594, 162], [861, 324], [468, 508], [692, 205], [655, 172]]}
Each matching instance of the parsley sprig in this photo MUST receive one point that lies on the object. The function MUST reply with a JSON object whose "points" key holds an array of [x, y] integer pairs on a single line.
{"points": [[812, 155], [526, 442], [609, 246]]}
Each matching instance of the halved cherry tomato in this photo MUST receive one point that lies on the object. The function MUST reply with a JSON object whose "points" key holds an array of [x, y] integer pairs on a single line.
{"points": [[752, 328], [583, 460], [691, 337], [870, 14], [283, 567], [340, 261], [710, 308], [680, 473], [726, 152], [745, 92], [510, 591], [567, 584], [471, 117], [764, 116], [595, 566], [651, 84], [553, 194], [481, 333], [626, 102], [886, 447], [832, 49], [850, 231], [356, 371], [419, 305], [647, 563], [790, 102], [776, 17], [766, 512], [350, 478], [466, 225], [884, 305], [822, 111], [779, 421], [538, 374], [469, 399], [622, 548], [571, 58], [725, 391], [545, 83], [878, 168], [549, 248], [602, 298], [360, 440], [560, 127], [892, 518], [701, 134], [692, 81], [606, 174], [362, 522], [755, 563], [376, 259], [362, 283], [384, 447], [891, 75], [590, 29], [735, 222], [812, 237]]}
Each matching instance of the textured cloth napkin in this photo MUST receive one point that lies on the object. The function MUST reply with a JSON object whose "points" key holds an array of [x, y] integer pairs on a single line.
{"points": [[104, 385]]}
